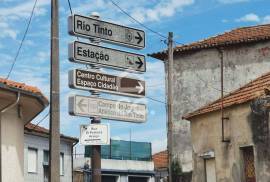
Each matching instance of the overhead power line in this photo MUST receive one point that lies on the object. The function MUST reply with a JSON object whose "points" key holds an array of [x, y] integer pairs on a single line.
{"points": [[141, 24], [40, 121], [22, 41], [69, 4]]}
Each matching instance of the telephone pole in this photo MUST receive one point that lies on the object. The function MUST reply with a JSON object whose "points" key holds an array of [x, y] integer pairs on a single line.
{"points": [[170, 103], [54, 164]]}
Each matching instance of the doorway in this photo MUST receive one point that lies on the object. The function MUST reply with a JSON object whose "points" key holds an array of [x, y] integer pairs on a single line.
{"points": [[249, 167]]}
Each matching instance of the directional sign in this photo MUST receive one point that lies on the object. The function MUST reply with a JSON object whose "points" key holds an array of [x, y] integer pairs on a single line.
{"points": [[96, 81], [95, 134], [98, 55], [108, 109], [88, 27]]}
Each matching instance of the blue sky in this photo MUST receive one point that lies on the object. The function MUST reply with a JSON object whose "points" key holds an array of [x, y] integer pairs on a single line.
{"points": [[190, 20]]}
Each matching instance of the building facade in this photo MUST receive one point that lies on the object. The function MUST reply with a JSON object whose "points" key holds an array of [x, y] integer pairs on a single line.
{"points": [[239, 151], [122, 161], [36, 155], [197, 75], [19, 104]]}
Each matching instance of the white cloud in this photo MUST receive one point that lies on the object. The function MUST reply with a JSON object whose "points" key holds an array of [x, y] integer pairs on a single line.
{"points": [[251, 17], [266, 19], [143, 11], [232, 1], [24, 9], [15, 12]]}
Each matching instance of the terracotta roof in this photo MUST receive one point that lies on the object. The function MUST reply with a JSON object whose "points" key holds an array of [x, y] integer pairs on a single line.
{"points": [[250, 91], [33, 128], [160, 159], [21, 86], [236, 36]]}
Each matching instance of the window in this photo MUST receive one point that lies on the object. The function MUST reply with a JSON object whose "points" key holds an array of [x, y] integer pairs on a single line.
{"points": [[62, 164], [46, 157], [32, 160]]}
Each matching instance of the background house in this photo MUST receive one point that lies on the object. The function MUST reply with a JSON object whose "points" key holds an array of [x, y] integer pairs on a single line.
{"points": [[197, 75], [160, 160], [245, 156], [36, 155], [19, 104], [122, 161]]}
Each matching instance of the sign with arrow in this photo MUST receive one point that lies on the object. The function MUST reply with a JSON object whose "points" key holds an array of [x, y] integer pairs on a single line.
{"points": [[107, 109], [98, 55], [88, 27], [96, 81]]}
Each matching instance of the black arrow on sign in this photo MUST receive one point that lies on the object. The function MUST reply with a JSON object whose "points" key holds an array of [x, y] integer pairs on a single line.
{"points": [[139, 37], [140, 63]]}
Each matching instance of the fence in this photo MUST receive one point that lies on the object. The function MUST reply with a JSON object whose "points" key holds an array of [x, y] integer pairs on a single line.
{"points": [[124, 150]]}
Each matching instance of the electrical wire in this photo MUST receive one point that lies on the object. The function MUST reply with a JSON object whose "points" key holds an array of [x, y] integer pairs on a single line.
{"points": [[155, 100], [69, 4], [155, 32], [22, 41], [41, 120], [141, 24]]}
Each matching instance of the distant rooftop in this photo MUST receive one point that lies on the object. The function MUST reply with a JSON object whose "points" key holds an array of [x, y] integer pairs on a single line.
{"points": [[31, 128], [233, 37], [160, 159]]}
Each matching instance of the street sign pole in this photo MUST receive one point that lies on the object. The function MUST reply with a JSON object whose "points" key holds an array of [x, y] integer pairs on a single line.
{"points": [[96, 149]]}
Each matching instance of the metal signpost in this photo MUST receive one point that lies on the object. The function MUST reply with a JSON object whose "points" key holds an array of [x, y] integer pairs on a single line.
{"points": [[96, 81], [84, 26], [96, 30], [93, 54], [107, 109], [95, 134]]}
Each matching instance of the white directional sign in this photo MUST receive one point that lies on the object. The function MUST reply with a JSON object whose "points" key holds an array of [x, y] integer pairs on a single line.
{"points": [[108, 109], [96, 81], [88, 27], [95, 134], [98, 55]]}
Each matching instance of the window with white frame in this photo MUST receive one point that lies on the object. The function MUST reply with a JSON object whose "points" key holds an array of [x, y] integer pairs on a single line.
{"points": [[62, 164], [32, 160]]}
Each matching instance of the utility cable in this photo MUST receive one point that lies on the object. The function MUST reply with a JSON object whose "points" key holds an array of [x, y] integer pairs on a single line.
{"points": [[141, 24], [69, 4], [22, 41], [40, 121]]}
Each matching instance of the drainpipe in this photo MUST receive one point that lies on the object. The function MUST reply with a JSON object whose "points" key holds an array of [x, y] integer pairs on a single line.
{"points": [[72, 176], [220, 51], [2, 111]]}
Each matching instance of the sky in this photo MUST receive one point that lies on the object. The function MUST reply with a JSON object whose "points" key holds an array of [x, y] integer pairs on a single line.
{"points": [[189, 20]]}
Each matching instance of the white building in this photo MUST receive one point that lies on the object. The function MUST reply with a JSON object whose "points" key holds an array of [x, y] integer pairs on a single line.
{"points": [[36, 155], [122, 161], [19, 104]]}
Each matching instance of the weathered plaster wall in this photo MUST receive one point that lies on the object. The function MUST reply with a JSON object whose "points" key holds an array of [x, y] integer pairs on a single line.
{"points": [[259, 123], [197, 82], [248, 125], [206, 136]]}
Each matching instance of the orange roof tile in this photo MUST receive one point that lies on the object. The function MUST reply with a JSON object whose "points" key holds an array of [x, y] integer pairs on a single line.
{"points": [[250, 91], [236, 36], [21, 86], [160, 159], [39, 129]]}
